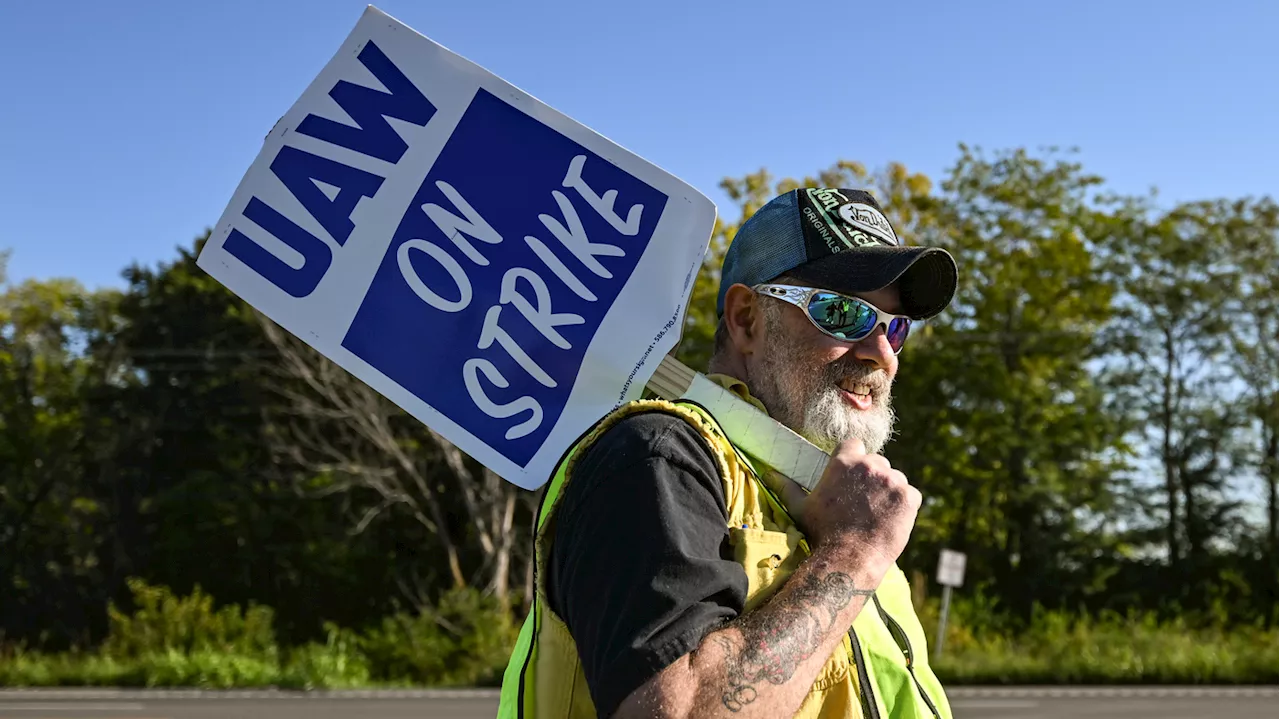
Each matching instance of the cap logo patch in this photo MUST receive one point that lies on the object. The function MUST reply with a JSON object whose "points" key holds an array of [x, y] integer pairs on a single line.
{"points": [[835, 221], [869, 219]]}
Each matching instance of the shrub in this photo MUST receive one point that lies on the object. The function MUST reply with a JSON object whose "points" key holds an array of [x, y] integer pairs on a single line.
{"points": [[465, 640], [163, 623], [336, 664], [204, 668], [22, 669]]}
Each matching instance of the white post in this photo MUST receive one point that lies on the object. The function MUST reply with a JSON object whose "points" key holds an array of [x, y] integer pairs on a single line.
{"points": [[942, 622], [950, 575]]}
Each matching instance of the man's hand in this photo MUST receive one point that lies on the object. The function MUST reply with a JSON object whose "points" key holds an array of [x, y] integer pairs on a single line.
{"points": [[862, 507]]}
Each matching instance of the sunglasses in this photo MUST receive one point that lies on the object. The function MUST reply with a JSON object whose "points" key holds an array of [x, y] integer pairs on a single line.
{"points": [[845, 318]]}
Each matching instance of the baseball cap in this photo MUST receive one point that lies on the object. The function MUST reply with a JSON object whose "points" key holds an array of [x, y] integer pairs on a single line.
{"points": [[839, 240]]}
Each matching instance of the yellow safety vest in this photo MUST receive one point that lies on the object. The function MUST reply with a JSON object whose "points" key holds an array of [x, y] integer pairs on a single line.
{"points": [[880, 671]]}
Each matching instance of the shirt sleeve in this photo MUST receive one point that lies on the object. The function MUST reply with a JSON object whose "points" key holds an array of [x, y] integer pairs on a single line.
{"points": [[640, 567]]}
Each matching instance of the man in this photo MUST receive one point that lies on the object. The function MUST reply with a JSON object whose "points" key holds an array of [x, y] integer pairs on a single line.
{"points": [[676, 579]]}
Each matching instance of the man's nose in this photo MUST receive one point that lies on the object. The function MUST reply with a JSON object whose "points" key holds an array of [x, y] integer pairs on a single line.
{"points": [[874, 350]]}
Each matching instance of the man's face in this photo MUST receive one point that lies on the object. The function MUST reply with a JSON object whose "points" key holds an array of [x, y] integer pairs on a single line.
{"points": [[825, 389]]}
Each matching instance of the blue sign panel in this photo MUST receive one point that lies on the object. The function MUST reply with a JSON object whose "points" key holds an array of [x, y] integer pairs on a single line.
{"points": [[501, 272]]}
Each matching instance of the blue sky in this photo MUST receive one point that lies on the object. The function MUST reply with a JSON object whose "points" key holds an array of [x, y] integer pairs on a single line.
{"points": [[125, 126]]}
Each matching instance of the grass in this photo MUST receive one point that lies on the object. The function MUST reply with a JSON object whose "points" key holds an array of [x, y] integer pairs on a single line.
{"points": [[172, 641], [1057, 647], [1064, 650]]}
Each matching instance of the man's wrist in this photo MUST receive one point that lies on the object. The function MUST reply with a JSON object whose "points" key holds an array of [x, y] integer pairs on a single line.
{"points": [[861, 561]]}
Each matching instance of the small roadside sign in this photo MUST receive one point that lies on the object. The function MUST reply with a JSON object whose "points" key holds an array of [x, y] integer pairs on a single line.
{"points": [[951, 568]]}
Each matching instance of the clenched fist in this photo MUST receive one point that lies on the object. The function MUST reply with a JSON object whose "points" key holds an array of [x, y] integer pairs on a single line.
{"points": [[861, 507]]}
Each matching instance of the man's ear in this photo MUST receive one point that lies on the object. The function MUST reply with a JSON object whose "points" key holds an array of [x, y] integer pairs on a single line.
{"points": [[743, 319]]}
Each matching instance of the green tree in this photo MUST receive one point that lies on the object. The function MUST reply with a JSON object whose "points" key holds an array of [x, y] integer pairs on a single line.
{"points": [[52, 520], [1173, 335], [1251, 233], [1003, 425], [200, 499]]}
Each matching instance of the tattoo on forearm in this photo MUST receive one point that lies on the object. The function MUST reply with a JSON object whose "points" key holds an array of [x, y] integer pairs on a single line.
{"points": [[776, 642]]}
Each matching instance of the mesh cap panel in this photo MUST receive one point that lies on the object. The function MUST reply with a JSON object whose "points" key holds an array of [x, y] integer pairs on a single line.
{"points": [[767, 245]]}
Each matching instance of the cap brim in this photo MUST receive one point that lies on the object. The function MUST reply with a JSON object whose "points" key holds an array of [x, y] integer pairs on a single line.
{"points": [[926, 276]]}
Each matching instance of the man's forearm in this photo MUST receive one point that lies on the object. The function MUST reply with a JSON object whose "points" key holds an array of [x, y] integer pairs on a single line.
{"points": [[763, 663]]}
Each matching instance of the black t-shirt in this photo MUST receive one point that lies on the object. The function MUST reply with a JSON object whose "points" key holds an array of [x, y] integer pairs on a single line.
{"points": [[640, 566]]}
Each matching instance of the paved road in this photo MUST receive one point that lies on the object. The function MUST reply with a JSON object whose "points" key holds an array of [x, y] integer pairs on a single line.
{"points": [[1013, 703]]}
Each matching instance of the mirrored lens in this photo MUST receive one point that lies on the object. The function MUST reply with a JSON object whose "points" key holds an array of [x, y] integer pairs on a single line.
{"points": [[897, 332], [845, 318]]}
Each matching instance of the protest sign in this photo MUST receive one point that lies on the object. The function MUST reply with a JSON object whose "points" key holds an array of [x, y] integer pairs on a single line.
{"points": [[496, 269]]}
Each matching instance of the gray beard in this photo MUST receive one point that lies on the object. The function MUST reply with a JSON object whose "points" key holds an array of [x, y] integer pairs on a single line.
{"points": [[829, 420], [806, 399]]}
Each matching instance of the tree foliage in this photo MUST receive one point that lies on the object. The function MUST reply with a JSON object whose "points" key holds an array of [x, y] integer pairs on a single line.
{"points": [[1093, 420]]}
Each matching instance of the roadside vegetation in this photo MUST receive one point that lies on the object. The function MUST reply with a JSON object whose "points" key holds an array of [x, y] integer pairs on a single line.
{"points": [[185, 641]]}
